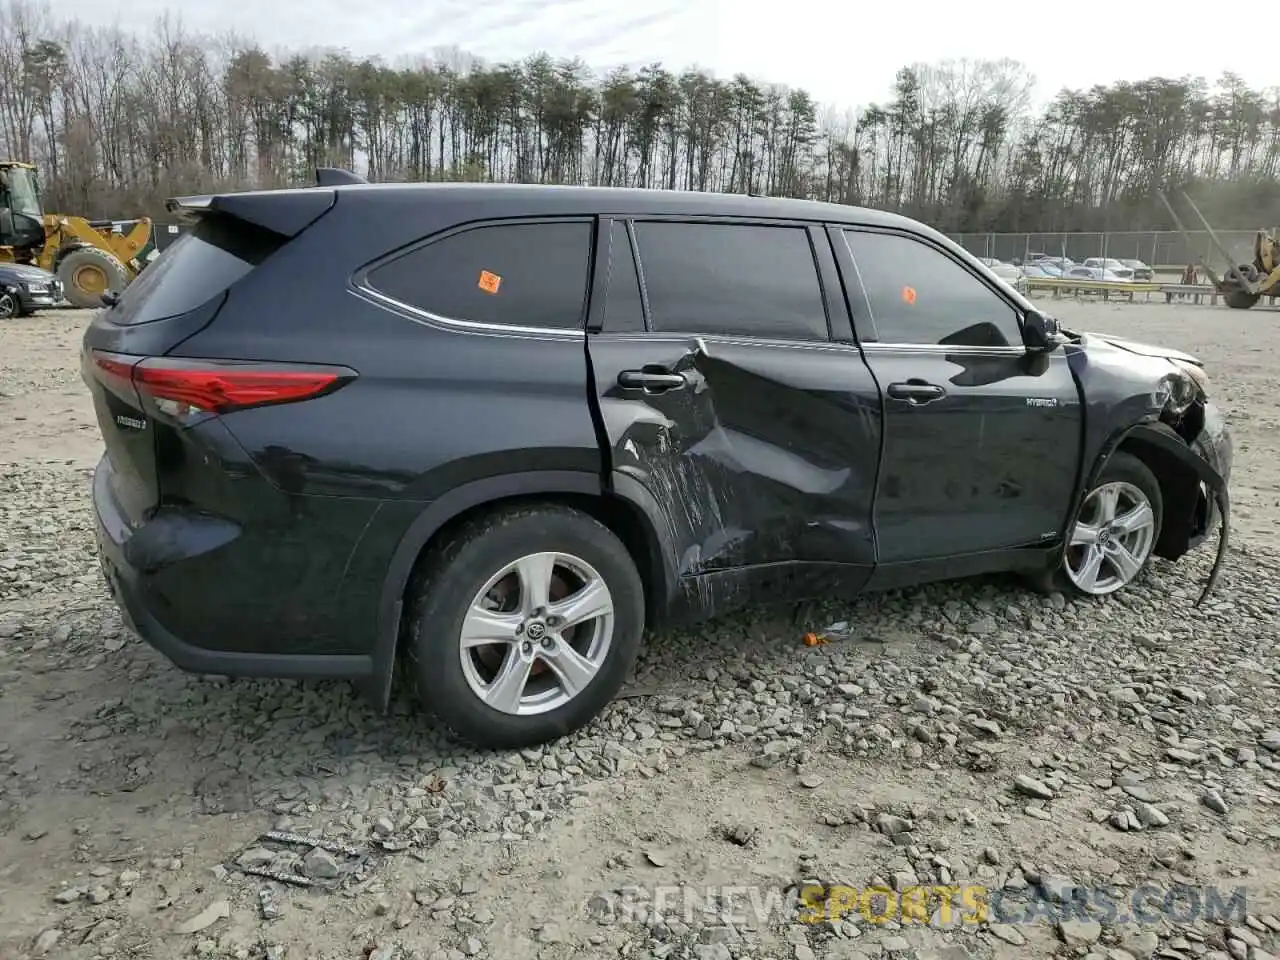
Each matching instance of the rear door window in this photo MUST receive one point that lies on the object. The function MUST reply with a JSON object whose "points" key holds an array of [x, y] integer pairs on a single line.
{"points": [[506, 274], [197, 267], [734, 279]]}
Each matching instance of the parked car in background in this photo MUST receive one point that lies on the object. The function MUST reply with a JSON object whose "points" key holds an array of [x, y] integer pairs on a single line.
{"points": [[25, 289], [1040, 271], [1111, 265], [1141, 272], [1063, 264], [1008, 273], [1098, 274]]}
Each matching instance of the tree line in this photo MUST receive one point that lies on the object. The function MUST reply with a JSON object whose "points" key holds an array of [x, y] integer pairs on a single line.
{"points": [[119, 121]]}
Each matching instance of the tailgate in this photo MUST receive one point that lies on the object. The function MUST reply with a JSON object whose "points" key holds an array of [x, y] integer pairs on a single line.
{"points": [[125, 431], [172, 300]]}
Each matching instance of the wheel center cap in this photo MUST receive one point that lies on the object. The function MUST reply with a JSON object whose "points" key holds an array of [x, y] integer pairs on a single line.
{"points": [[536, 630], [1104, 536]]}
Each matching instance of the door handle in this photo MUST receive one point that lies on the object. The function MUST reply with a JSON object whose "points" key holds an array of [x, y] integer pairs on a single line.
{"points": [[916, 392], [651, 380]]}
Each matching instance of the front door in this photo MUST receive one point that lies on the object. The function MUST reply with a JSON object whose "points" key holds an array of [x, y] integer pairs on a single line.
{"points": [[719, 389], [982, 440]]}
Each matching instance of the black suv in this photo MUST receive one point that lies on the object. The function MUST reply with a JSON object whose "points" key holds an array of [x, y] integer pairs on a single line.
{"points": [[492, 432]]}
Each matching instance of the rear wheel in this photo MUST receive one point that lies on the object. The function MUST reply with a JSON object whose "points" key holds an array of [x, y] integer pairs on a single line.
{"points": [[524, 625], [88, 273]]}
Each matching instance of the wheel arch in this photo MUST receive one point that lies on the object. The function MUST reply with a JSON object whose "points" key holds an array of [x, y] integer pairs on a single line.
{"points": [[64, 251], [1178, 470], [626, 508]]}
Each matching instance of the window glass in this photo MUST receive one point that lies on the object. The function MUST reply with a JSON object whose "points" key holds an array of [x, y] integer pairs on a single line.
{"points": [[919, 295], [203, 263], [732, 279], [514, 274], [623, 310]]}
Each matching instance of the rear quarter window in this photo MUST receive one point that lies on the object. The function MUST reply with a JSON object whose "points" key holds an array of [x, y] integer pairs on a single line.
{"points": [[503, 274], [201, 264]]}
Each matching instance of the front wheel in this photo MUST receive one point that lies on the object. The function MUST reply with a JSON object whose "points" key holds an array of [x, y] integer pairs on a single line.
{"points": [[524, 625], [88, 273], [9, 305], [1115, 532]]}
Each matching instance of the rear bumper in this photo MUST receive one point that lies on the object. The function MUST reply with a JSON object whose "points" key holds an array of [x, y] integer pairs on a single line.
{"points": [[125, 554]]}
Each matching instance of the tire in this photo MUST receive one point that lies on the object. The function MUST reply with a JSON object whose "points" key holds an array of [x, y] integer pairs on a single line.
{"points": [[10, 307], [1136, 487], [449, 682], [79, 267], [1238, 299]]}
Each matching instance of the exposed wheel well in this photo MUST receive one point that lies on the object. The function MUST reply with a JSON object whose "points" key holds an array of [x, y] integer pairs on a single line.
{"points": [[625, 520], [1180, 490]]}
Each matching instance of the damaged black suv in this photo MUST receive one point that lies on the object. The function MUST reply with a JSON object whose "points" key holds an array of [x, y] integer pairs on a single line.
{"points": [[492, 432]]}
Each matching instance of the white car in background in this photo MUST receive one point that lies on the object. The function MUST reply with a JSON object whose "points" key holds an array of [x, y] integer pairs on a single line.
{"points": [[1110, 265], [1007, 272]]}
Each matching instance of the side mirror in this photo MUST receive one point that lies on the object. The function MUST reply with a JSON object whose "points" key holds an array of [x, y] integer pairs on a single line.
{"points": [[1039, 333], [110, 299]]}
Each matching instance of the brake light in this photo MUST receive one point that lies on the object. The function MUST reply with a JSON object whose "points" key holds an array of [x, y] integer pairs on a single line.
{"points": [[181, 387]]}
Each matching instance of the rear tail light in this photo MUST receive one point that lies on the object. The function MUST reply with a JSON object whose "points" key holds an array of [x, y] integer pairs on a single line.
{"points": [[181, 388]]}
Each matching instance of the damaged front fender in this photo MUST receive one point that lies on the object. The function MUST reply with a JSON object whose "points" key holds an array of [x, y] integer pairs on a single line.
{"points": [[1161, 438]]}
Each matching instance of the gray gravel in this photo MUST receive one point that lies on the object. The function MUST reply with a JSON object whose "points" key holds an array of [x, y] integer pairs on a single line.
{"points": [[965, 733]]}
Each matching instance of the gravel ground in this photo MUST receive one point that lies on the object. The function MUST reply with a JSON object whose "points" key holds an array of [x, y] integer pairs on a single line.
{"points": [[964, 734]]}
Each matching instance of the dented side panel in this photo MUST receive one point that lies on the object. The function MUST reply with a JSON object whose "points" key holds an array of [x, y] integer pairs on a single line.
{"points": [[767, 454]]}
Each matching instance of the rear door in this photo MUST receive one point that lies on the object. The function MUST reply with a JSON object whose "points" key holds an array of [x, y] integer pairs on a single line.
{"points": [[721, 391], [981, 439]]}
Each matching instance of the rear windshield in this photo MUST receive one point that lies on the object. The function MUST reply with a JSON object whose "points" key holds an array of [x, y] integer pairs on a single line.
{"points": [[198, 266]]}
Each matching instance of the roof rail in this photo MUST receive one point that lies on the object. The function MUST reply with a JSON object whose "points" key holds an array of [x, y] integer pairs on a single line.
{"points": [[336, 177]]}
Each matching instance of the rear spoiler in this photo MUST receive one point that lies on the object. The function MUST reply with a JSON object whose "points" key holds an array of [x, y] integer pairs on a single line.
{"points": [[286, 212]]}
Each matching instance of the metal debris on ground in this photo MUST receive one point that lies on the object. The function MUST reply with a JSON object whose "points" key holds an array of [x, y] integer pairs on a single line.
{"points": [[327, 865], [332, 846], [268, 904]]}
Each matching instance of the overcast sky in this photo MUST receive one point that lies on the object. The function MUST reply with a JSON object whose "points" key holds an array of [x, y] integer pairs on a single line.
{"points": [[844, 52]]}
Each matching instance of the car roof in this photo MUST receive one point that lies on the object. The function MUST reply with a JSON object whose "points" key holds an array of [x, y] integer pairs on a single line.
{"points": [[536, 199], [641, 200]]}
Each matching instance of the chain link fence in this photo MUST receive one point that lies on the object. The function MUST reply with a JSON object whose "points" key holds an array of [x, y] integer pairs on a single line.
{"points": [[1162, 249]]}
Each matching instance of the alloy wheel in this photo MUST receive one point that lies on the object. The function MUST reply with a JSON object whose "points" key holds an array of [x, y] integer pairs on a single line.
{"points": [[8, 306], [536, 634], [1112, 539]]}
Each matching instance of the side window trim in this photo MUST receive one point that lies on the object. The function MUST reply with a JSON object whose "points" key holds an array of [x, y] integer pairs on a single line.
{"points": [[615, 256], [360, 280], [600, 274], [644, 288], [809, 229], [864, 318]]}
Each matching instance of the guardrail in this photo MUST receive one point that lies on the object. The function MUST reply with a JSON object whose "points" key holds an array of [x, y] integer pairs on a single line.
{"points": [[1196, 292], [1104, 287]]}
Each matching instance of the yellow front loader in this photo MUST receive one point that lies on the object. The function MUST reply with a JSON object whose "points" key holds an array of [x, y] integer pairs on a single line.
{"points": [[1243, 284], [91, 258]]}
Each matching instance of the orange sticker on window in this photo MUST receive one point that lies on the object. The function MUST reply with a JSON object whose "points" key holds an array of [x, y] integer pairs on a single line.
{"points": [[908, 294], [489, 282]]}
